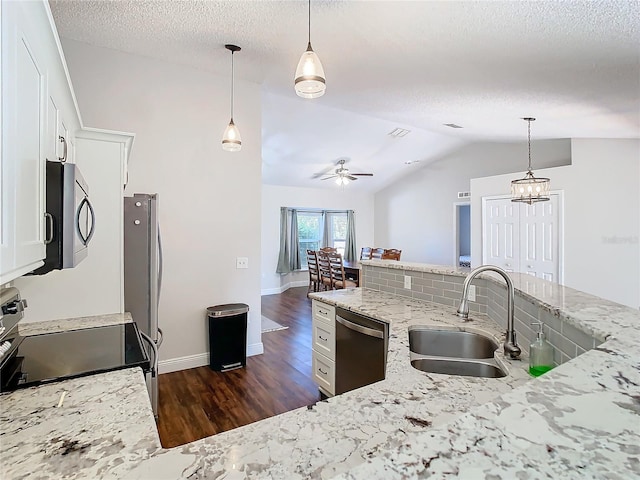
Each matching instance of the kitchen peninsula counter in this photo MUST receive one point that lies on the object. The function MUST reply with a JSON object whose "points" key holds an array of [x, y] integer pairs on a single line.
{"points": [[581, 420]]}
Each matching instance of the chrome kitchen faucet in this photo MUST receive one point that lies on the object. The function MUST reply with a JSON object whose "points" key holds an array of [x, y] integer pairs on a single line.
{"points": [[511, 347]]}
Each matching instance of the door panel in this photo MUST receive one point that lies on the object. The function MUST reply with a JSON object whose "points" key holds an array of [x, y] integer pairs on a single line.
{"points": [[523, 238], [501, 248]]}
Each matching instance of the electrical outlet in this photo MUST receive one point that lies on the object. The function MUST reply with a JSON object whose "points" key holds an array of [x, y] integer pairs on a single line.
{"points": [[242, 262], [472, 293], [407, 282]]}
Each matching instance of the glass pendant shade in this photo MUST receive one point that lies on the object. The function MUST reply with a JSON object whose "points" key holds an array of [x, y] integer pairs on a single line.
{"points": [[342, 180], [530, 189], [309, 78], [231, 141]]}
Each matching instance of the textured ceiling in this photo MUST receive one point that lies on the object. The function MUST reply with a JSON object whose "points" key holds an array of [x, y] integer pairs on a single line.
{"points": [[573, 65]]}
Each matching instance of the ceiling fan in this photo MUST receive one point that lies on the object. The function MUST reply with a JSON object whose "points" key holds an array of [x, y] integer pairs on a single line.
{"points": [[343, 175]]}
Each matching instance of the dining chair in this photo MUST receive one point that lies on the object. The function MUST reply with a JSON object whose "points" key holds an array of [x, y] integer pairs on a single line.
{"points": [[365, 253], [324, 270], [328, 249], [338, 278], [391, 254], [314, 275], [377, 253]]}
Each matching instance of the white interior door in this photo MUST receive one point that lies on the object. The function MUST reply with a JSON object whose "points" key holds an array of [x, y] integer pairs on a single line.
{"points": [[539, 240], [524, 238], [501, 235]]}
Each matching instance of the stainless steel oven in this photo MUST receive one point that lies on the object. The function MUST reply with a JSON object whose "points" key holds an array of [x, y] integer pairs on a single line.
{"points": [[361, 350], [70, 218]]}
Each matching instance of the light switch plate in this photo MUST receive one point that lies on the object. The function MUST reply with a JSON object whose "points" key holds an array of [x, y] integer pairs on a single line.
{"points": [[472, 293], [242, 262], [407, 282]]}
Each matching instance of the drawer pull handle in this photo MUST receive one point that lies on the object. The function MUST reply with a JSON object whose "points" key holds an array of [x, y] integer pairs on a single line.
{"points": [[322, 372], [323, 339]]}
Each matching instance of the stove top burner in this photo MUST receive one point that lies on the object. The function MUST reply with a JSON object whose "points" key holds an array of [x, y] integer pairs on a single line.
{"points": [[57, 356]]}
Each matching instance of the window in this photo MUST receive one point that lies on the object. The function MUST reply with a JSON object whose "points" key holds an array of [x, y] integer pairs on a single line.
{"points": [[310, 232], [338, 232]]}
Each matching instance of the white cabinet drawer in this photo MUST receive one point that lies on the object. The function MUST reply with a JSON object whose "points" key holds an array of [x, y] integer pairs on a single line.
{"points": [[324, 338], [324, 312], [324, 373]]}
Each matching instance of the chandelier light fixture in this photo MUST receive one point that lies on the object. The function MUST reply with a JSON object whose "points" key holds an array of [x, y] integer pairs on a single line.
{"points": [[530, 189], [309, 79], [231, 141]]}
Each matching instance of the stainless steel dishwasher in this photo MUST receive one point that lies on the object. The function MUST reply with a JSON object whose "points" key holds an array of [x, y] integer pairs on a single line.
{"points": [[361, 350]]}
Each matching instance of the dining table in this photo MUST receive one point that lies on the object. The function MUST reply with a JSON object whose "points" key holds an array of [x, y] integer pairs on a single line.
{"points": [[352, 270]]}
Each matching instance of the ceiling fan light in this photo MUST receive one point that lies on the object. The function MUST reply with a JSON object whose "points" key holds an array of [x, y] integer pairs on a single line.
{"points": [[309, 77], [231, 141]]}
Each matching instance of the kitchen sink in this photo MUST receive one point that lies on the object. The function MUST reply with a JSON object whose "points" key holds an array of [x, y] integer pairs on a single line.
{"points": [[457, 366], [450, 343]]}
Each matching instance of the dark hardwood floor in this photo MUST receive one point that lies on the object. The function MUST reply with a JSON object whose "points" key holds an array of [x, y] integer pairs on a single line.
{"points": [[199, 402]]}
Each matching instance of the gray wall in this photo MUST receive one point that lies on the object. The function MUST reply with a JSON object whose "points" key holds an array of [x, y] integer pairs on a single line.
{"points": [[416, 215], [464, 229]]}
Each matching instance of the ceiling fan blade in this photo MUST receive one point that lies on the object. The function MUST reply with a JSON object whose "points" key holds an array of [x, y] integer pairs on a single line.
{"points": [[351, 177], [330, 176], [362, 174]]}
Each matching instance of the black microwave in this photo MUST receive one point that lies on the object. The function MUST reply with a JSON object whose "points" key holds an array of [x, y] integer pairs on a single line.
{"points": [[70, 218]]}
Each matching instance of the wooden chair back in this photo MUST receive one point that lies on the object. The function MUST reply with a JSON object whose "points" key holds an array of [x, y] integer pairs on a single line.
{"points": [[391, 254], [329, 249], [324, 270], [314, 275], [338, 278], [377, 253], [365, 253]]}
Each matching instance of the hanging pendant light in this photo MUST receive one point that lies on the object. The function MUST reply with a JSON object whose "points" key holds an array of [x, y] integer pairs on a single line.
{"points": [[309, 78], [231, 141], [530, 189]]}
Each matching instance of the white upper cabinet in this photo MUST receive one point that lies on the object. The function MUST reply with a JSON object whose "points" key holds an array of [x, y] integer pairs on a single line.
{"points": [[38, 107]]}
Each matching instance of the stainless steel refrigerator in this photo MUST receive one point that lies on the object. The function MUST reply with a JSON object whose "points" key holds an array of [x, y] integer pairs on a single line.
{"points": [[143, 277]]}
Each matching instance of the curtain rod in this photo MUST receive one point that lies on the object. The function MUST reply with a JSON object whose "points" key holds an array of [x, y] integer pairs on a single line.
{"points": [[317, 210]]}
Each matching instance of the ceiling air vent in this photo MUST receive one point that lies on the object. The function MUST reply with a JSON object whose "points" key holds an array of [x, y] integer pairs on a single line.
{"points": [[398, 132], [464, 194]]}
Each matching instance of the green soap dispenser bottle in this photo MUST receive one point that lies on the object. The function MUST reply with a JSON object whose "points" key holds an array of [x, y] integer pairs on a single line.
{"points": [[540, 354]]}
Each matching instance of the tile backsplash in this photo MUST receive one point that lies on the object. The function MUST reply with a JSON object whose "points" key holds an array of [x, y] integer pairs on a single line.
{"points": [[431, 287], [568, 341]]}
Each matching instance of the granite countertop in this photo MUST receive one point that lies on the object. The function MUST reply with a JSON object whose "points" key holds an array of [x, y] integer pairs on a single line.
{"points": [[581, 420], [103, 427]]}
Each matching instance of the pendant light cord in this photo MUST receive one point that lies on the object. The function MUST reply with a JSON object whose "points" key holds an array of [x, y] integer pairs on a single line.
{"points": [[232, 86], [309, 22], [529, 141]]}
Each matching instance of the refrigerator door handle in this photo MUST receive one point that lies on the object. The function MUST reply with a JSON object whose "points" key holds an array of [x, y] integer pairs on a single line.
{"points": [[160, 264], [154, 348]]}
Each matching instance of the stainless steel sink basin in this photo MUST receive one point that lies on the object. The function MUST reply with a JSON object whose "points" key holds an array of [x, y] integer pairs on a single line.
{"points": [[450, 343], [456, 366]]}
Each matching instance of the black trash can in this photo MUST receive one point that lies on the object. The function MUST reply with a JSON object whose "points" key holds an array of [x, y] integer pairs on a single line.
{"points": [[227, 336]]}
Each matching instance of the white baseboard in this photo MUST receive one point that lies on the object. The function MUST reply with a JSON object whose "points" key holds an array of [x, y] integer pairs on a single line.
{"points": [[285, 287], [199, 359]]}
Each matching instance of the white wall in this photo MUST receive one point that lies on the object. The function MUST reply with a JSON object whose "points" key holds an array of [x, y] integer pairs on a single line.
{"points": [[602, 219], [416, 214], [274, 197], [209, 200], [94, 286]]}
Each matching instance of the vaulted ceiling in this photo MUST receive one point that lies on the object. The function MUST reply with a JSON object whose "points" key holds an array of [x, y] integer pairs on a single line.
{"points": [[574, 65]]}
